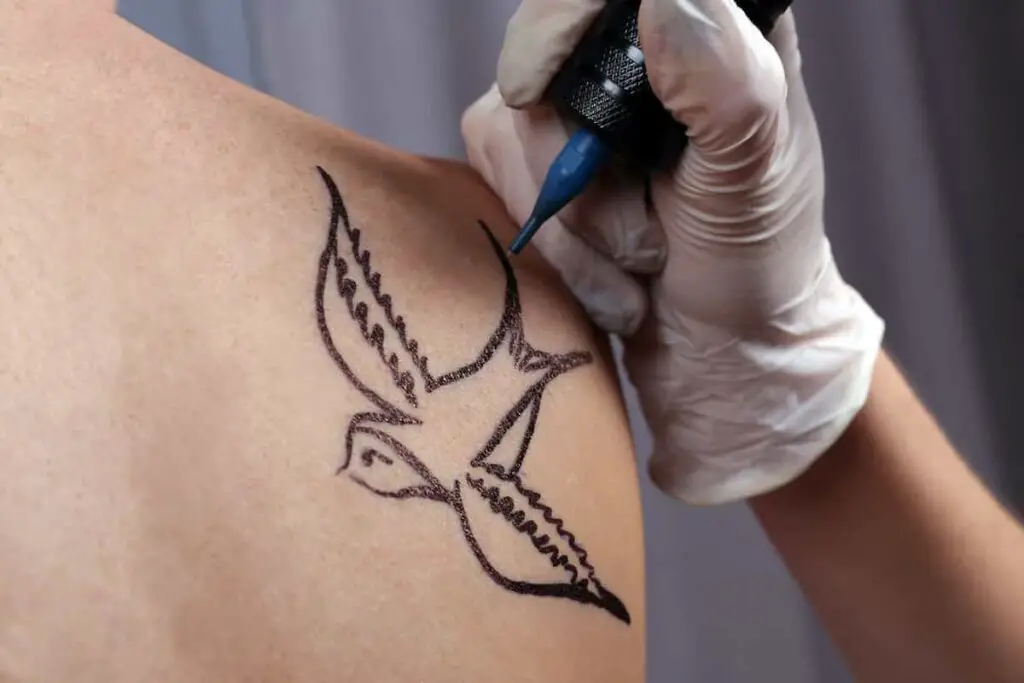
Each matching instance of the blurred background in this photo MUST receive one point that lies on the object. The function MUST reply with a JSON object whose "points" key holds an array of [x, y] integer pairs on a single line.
{"points": [[920, 106]]}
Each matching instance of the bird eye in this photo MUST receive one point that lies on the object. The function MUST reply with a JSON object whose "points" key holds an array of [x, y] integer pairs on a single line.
{"points": [[371, 455]]}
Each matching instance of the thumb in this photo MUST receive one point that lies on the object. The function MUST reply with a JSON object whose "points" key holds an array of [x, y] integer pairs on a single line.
{"points": [[711, 67]]}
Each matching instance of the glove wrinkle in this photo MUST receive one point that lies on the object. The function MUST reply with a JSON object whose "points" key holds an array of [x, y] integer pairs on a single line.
{"points": [[749, 352]]}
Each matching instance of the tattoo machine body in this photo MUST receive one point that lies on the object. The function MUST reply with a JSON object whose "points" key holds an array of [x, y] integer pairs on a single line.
{"points": [[603, 89]]}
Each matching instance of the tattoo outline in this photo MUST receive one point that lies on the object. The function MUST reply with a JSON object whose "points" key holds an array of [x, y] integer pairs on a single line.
{"points": [[498, 486]]}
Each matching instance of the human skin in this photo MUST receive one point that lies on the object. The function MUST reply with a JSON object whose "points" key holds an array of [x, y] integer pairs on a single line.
{"points": [[180, 499]]}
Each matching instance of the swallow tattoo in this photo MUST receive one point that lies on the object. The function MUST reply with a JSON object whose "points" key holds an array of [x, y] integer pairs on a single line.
{"points": [[496, 508]]}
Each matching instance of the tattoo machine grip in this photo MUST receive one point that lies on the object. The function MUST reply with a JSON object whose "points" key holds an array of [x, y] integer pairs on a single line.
{"points": [[603, 86]]}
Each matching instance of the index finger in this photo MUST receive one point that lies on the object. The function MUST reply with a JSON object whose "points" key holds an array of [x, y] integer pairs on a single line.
{"points": [[540, 37]]}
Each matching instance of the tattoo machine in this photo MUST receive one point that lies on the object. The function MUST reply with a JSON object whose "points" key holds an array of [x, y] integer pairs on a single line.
{"points": [[603, 89]]}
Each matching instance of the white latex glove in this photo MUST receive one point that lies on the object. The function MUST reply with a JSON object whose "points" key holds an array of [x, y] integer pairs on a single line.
{"points": [[750, 353]]}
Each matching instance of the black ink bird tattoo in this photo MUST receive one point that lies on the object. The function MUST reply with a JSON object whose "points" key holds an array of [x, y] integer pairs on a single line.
{"points": [[489, 495]]}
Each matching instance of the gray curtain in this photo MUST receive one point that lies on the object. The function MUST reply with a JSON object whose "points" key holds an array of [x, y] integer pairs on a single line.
{"points": [[919, 105]]}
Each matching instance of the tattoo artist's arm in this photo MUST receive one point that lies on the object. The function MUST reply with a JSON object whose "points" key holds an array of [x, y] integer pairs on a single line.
{"points": [[914, 567]]}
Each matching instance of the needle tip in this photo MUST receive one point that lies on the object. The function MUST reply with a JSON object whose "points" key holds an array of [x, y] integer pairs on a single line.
{"points": [[523, 236]]}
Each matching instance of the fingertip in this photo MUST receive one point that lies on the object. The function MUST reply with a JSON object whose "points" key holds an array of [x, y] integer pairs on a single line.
{"points": [[480, 122], [520, 83], [539, 38], [785, 39], [612, 298], [612, 216], [617, 306], [476, 114], [711, 67]]}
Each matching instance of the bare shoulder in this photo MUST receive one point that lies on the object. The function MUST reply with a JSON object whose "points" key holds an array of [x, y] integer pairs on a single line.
{"points": [[275, 405]]}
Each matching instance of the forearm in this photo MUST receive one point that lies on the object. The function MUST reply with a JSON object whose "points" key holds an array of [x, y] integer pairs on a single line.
{"points": [[915, 569]]}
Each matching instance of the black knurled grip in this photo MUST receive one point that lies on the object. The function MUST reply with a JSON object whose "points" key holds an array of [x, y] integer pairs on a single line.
{"points": [[603, 86]]}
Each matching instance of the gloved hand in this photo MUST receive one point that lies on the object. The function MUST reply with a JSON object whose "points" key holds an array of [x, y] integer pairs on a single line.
{"points": [[749, 352]]}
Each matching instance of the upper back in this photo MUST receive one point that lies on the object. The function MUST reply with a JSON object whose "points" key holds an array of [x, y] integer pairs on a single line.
{"points": [[275, 406]]}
